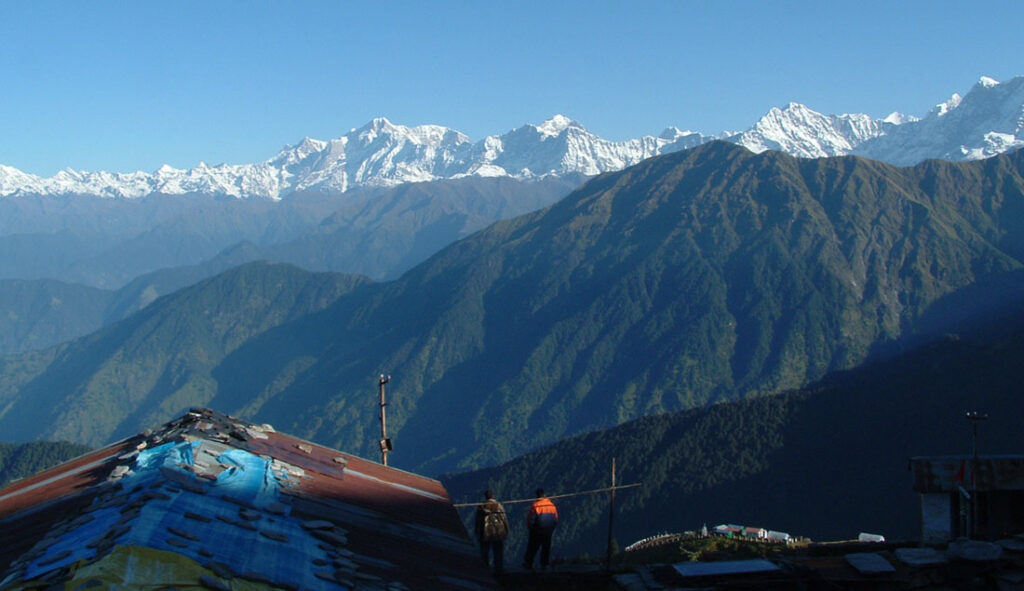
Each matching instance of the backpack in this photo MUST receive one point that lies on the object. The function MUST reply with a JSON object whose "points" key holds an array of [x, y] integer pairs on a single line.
{"points": [[495, 526]]}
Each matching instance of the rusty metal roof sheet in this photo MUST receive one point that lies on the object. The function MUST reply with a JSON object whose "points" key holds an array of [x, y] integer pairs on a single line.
{"points": [[209, 498]]}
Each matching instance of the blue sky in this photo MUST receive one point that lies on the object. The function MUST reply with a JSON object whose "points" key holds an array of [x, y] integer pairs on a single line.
{"points": [[125, 86]]}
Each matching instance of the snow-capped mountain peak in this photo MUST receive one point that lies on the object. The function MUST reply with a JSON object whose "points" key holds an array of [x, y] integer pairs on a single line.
{"points": [[556, 125], [897, 118], [802, 131], [377, 127], [943, 108], [309, 145], [987, 82], [988, 120], [670, 133], [674, 134], [293, 154]]}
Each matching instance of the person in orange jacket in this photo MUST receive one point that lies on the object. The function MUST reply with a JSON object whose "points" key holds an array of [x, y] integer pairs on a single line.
{"points": [[541, 521]]}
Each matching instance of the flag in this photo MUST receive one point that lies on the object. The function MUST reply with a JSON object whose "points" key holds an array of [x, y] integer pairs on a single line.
{"points": [[959, 476]]}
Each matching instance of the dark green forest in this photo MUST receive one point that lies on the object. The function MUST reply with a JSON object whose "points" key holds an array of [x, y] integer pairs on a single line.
{"points": [[25, 459], [688, 280], [827, 462]]}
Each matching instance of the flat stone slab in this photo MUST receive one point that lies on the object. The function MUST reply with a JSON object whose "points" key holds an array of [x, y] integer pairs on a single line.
{"points": [[221, 570], [974, 551], [920, 556], [213, 583], [1014, 577], [274, 535], [870, 563], [724, 567], [277, 508], [177, 542], [250, 514]]}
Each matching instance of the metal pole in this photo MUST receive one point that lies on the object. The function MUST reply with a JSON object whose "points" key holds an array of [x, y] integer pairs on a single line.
{"points": [[975, 417], [611, 521], [553, 497], [974, 484], [384, 443]]}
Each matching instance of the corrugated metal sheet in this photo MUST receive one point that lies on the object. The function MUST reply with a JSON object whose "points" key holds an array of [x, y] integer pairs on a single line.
{"points": [[945, 473], [230, 504]]}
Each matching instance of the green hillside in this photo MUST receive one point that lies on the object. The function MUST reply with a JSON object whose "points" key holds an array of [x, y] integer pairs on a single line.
{"points": [[827, 462], [701, 276], [153, 365], [43, 312], [379, 233], [384, 236], [106, 243], [706, 275]]}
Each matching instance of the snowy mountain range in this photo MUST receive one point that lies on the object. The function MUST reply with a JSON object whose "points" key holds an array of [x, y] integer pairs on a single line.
{"points": [[988, 120]]}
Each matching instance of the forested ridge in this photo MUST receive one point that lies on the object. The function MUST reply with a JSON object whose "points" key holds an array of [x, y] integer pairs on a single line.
{"points": [[708, 275], [827, 462]]}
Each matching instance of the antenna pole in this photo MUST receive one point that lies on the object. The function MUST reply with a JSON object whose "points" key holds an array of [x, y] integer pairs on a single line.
{"points": [[385, 443], [611, 521]]}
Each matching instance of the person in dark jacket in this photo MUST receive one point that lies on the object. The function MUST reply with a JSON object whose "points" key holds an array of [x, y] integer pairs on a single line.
{"points": [[491, 530], [541, 521]]}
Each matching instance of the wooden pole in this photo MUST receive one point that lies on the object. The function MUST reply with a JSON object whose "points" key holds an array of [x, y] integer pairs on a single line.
{"points": [[611, 521]]}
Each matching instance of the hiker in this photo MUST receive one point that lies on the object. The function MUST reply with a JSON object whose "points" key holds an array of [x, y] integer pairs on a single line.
{"points": [[491, 530], [541, 520]]}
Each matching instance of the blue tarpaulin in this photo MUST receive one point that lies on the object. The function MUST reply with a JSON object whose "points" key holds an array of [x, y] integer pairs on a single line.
{"points": [[223, 520]]}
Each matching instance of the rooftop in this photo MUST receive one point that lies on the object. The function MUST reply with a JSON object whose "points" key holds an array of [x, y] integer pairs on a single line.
{"points": [[215, 501]]}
